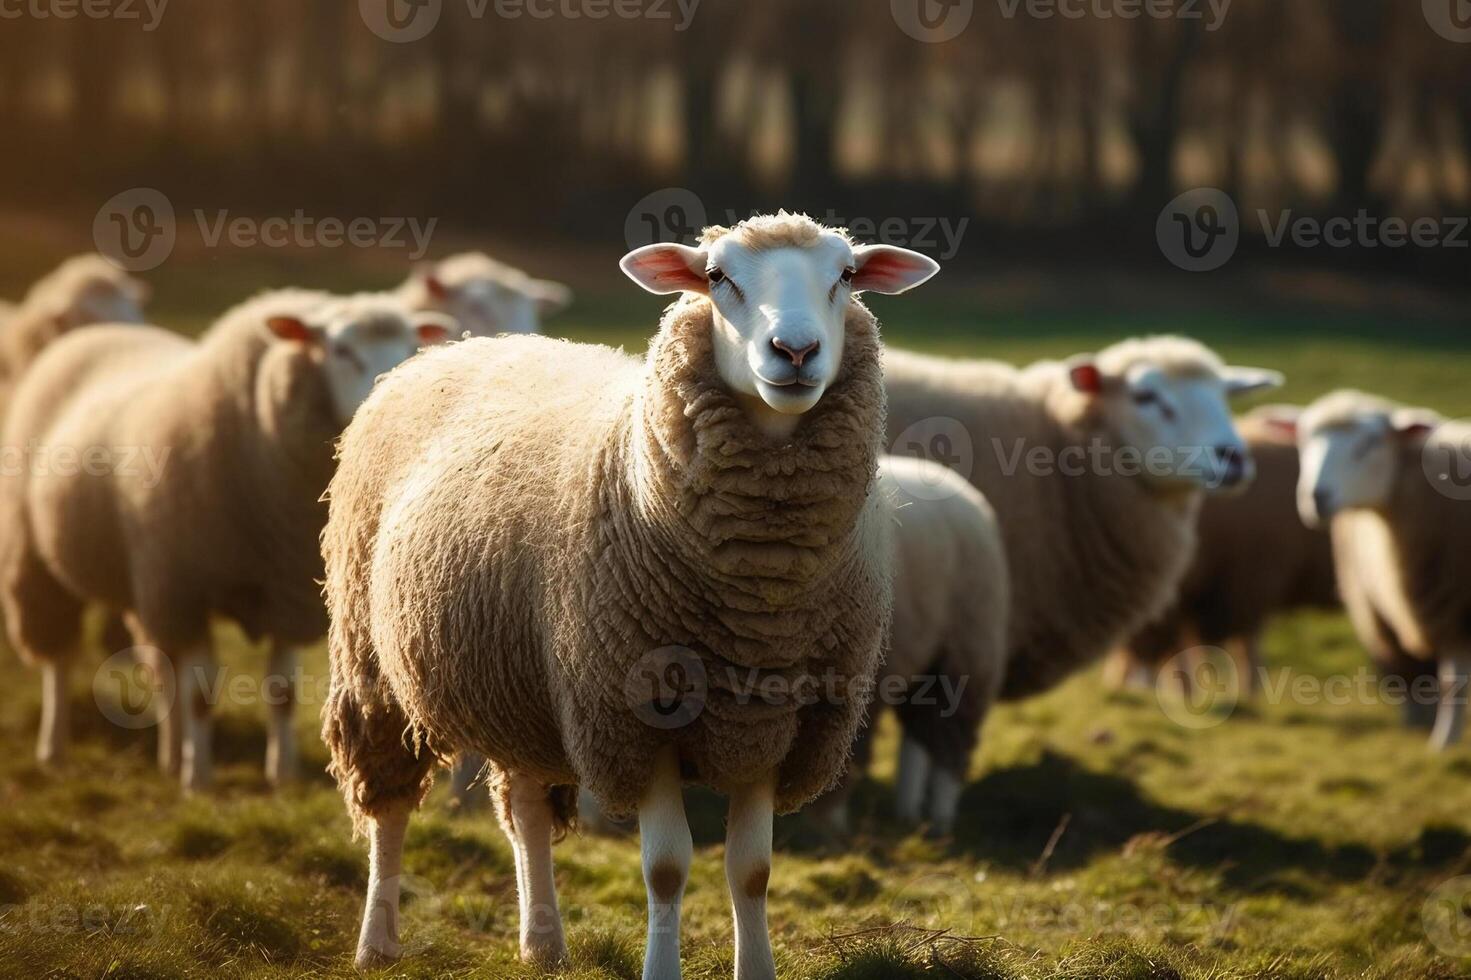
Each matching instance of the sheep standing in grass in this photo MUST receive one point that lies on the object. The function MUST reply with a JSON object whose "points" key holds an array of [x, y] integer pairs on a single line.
{"points": [[202, 465], [84, 289], [947, 649], [623, 575], [1254, 558], [1095, 468], [1391, 484], [484, 296]]}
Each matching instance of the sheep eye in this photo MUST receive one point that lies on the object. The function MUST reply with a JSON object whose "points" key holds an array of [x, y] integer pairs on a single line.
{"points": [[350, 356], [848, 274], [715, 275], [1145, 398], [1364, 447]]}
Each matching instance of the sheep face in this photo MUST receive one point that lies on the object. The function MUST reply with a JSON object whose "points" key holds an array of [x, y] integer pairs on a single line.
{"points": [[1177, 424], [486, 304], [354, 343], [1351, 460], [779, 312]]}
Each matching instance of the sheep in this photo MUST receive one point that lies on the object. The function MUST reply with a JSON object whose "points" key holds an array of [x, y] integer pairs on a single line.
{"points": [[1389, 482], [622, 575], [486, 297], [1232, 587], [947, 651], [1095, 468], [84, 289], [203, 465]]}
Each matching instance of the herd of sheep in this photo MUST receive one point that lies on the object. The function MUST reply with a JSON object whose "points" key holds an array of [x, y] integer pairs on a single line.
{"points": [[567, 568]]}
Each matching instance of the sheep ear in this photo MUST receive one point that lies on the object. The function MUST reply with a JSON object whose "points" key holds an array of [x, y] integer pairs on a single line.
{"points": [[427, 273], [1085, 375], [294, 329], [667, 268], [432, 330], [889, 269], [1245, 380], [550, 297], [1413, 423]]}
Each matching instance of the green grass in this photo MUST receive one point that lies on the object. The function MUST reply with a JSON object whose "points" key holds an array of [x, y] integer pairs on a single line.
{"points": [[1291, 840]]}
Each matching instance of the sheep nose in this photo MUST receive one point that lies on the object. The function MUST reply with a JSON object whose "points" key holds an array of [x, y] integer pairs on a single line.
{"points": [[1323, 502], [1232, 463], [795, 354]]}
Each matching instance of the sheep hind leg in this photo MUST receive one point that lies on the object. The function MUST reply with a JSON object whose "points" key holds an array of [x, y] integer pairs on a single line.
{"points": [[1450, 715], [915, 764], [378, 942], [43, 620], [196, 675], [664, 838], [279, 687], [530, 826], [55, 723], [747, 873]]}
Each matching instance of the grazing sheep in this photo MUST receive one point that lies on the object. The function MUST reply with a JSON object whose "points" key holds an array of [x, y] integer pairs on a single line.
{"points": [[486, 297], [1233, 587], [624, 575], [1095, 468], [1390, 483], [947, 647], [84, 289], [202, 465]]}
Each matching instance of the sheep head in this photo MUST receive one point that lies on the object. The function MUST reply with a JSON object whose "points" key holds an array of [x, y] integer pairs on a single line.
{"points": [[355, 340], [1352, 446], [486, 297], [1167, 399], [779, 287]]}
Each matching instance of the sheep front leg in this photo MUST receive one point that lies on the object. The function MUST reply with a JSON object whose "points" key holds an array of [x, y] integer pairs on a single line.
{"points": [[196, 687], [279, 687], [542, 942], [52, 738], [378, 941], [747, 872], [664, 837], [1450, 715]]}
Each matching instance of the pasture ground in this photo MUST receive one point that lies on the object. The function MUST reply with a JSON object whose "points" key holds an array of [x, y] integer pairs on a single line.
{"points": [[1300, 837]]}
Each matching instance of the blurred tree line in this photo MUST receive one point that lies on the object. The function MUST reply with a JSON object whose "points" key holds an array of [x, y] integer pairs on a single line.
{"points": [[561, 123]]}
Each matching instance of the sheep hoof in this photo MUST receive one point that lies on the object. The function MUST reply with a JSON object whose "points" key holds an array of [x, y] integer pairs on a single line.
{"points": [[371, 957], [545, 957]]}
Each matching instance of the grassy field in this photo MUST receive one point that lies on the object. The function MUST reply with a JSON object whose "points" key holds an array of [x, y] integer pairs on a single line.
{"points": [[1100, 838]]}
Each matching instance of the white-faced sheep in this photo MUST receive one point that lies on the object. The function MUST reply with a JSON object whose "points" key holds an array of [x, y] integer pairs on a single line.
{"points": [[948, 643], [197, 492], [1095, 469], [1390, 483], [521, 529], [1233, 587], [84, 289], [484, 296]]}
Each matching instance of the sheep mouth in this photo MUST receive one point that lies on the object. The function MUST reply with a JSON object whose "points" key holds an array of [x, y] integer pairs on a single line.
{"points": [[795, 381]]}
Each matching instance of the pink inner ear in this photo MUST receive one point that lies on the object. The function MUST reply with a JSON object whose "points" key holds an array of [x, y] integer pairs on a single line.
{"points": [[431, 333], [1415, 430], [290, 328], [886, 270], [667, 268], [1285, 426], [1087, 378], [436, 287]]}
